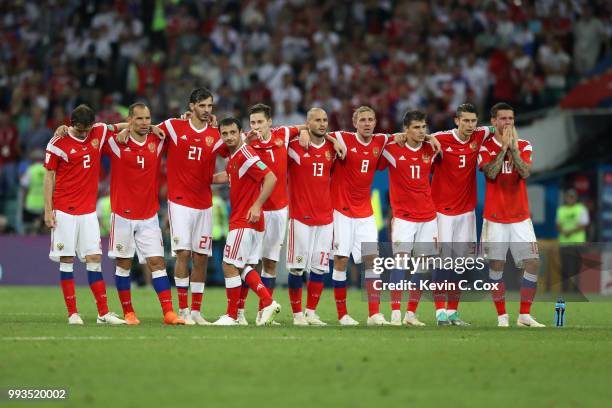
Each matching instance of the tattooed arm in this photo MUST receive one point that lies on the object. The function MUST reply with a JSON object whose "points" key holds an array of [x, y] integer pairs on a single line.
{"points": [[491, 170]]}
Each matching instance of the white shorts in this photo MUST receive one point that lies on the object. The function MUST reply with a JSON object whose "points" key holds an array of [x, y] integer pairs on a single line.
{"points": [[75, 235], [519, 237], [130, 236], [350, 233], [409, 235], [457, 234], [243, 247], [308, 246], [190, 229], [274, 233]]}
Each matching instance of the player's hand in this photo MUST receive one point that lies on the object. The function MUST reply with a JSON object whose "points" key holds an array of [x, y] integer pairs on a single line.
{"points": [[61, 131], [506, 136], [254, 213], [213, 120], [158, 132], [304, 139], [50, 219], [435, 143], [123, 136], [514, 135], [340, 150], [250, 136], [186, 115]]}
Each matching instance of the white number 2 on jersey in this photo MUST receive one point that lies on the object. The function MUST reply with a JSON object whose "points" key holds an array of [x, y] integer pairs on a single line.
{"points": [[193, 152], [317, 170], [86, 161], [364, 166], [140, 160], [462, 161]]}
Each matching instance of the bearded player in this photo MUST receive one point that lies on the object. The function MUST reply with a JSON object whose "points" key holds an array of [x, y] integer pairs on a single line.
{"points": [[506, 162]]}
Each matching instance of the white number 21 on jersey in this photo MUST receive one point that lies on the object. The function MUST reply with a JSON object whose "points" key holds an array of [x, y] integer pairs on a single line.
{"points": [[195, 153]]}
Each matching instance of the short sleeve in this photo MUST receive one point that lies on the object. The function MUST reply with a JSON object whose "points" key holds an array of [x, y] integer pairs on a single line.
{"points": [[484, 157], [526, 152], [51, 158], [583, 219], [257, 170]]}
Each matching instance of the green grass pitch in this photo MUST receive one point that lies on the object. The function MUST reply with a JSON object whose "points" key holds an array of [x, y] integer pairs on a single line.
{"points": [[155, 366]]}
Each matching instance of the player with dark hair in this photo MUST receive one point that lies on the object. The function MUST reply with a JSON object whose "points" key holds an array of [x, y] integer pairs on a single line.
{"points": [[506, 162], [251, 183], [453, 190], [414, 229], [270, 144], [71, 191]]}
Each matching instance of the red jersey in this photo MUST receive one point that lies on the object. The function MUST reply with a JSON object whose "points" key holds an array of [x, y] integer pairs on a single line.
{"points": [[309, 182], [409, 188], [246, 172], [506, 197], [191, 162], [77, 170], [273, 153], [352, 177], [135, 176], [453, 185]]}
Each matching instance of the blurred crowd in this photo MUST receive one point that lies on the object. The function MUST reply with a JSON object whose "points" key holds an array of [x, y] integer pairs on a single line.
{"points": [[291, 54]]}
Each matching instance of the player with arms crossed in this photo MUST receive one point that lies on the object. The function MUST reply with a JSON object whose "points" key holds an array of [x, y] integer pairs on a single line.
{"points": [[251, 183], [310, 217], [135, 167], [192, 150], [506, 162], [414, 229], [71, 190], [270, 144], [453, 189]]}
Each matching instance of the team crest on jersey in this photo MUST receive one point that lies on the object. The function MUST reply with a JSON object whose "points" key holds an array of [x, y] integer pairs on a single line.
{"points": [[299, 258], [473, 145], [426, 158], [119, 247], [176, 240], [209, 140], [151, 146], [376, 151], [60, 246], [278, 143], [95, 143], [328, 156]]}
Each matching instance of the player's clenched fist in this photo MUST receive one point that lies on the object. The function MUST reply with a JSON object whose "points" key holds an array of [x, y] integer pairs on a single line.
{"points": [[49, 219]]}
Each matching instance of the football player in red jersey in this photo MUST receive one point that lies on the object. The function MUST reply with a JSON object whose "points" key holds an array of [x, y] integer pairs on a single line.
{"points": [[251, 183], [453, 189], [414, 229], [71, 191], [135, 167], [506, 162], [270, 144]]}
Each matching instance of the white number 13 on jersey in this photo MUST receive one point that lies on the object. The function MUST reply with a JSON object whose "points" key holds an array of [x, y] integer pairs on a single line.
{"points": [[364, 166], [317, 170]]}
